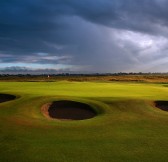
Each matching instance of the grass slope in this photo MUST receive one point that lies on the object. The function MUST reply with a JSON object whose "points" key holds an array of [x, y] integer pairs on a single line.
{"points": [[128, 129]]}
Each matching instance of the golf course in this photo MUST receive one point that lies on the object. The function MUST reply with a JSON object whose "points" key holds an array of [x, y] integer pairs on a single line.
{"points": [[123, 122]]}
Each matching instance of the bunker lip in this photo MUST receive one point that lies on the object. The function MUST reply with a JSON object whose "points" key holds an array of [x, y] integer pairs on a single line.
{"points": [[68, 110], [6, 97], [163, 105]]}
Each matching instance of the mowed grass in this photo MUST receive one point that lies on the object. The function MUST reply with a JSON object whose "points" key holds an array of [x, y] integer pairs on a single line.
{"points": [[128, 129]]}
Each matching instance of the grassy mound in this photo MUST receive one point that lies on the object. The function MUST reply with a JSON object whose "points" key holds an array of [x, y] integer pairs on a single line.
{"points": [[127, 128]]}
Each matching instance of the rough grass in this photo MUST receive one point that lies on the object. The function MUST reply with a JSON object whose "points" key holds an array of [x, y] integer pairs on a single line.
{"points": [[128, 129], [148, 78]]}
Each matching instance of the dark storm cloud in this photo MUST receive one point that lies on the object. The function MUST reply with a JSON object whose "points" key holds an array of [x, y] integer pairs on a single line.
{"points": [[81, 32]]}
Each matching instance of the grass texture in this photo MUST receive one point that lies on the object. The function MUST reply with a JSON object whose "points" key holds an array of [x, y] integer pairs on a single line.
{"points": [[128, 128]]}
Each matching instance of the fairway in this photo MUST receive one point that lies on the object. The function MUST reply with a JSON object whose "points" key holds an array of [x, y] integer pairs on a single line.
{"points": [[127, 127]]}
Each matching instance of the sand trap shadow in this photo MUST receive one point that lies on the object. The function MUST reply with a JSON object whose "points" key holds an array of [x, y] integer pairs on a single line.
{"points": [[163, 105], [70, 110], [6, 97]]}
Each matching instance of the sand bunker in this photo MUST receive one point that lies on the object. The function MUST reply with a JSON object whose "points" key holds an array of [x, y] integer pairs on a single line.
{"points": [[163, 105], [69, 110], [6, 97]]}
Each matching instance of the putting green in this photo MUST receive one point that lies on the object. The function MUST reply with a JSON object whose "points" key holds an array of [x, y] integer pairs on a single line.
{"points": [[127, 127]]}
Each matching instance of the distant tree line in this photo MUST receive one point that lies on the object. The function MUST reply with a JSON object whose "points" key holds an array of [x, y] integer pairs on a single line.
{"points": [[78, 74]]}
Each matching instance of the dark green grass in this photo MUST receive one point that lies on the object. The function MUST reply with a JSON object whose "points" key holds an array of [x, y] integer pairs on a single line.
{"points": [[128, 128]]}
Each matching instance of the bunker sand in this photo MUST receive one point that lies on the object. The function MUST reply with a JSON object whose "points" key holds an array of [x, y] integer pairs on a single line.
{"points": [[68, 110], [6, 97], [163, 105]]}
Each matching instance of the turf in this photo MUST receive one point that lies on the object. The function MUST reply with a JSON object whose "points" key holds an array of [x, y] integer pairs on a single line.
{"points": [[128, 128]]}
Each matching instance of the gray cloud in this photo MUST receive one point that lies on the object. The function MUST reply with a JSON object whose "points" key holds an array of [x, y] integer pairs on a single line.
{"points": [[25, 70], [93, 36]]}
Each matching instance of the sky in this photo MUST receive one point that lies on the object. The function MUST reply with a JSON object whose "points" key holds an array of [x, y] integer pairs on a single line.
{"points": [[83, 36]]}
